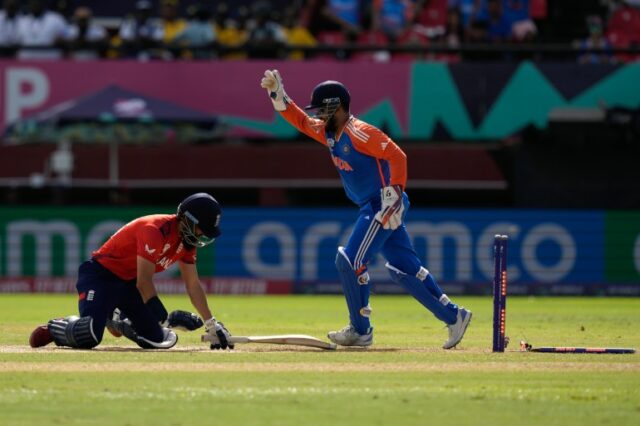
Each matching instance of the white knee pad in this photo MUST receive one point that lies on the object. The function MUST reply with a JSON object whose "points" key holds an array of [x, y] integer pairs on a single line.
{"points": [[366, 311], [363, 278], [344, 265], [422, 273], [444, 299]]}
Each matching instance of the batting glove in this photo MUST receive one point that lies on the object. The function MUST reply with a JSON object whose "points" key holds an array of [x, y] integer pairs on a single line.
{"points": [[390, 214], [273, 83], [183, 320], [218, 334]]}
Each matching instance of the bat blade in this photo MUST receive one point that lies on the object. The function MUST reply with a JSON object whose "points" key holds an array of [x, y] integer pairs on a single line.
{"points": [[584, 350], [283, 339]]}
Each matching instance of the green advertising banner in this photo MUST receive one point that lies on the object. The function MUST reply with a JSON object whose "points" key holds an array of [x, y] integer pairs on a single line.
{"points": [[622, 246], [279, 250], [52, 242]]}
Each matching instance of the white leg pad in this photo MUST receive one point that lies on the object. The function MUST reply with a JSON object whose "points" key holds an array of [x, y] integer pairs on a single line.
{"points": [[444, 299]]}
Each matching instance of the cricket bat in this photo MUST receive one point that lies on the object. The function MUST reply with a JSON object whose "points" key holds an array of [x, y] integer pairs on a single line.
{"points": [[282, 339]]}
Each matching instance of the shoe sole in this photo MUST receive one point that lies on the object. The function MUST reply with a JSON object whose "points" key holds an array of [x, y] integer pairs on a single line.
{"points": [[354, 345], [465, 324], [114, 332], [342, 344], [40, 337]]}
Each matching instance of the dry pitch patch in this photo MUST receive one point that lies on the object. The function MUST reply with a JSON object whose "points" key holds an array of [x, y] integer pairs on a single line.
{"points": [[566, 363], [315, 367]]}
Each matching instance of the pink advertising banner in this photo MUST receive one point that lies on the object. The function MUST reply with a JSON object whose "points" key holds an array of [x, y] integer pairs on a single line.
{"points": [[217, 88], [224, 285]]}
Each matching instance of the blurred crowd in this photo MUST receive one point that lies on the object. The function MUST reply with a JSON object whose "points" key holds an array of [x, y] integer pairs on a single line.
{"points": [[327, 29]]}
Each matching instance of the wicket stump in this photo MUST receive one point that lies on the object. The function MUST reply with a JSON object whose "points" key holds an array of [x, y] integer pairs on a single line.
{"points": [[499, 292]]}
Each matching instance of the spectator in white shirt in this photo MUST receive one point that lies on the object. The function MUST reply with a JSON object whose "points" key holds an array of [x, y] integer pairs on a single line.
{"points": [[9, 17], [85, 38], [199, 34], [140, 31], [41, 30]]}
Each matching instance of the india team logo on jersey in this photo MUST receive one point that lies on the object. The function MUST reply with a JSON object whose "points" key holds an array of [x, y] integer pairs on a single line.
{"points": [[331, 142]]}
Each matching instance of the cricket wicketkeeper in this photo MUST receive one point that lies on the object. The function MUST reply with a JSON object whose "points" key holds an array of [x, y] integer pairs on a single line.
{"points": [[116, 290], [373, 170]]}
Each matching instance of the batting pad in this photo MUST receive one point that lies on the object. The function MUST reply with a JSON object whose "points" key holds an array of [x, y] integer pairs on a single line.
{"points": [[357, 295], [418, 289]]}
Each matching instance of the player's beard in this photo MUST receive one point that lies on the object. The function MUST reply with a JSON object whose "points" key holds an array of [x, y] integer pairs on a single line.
{"points": [[332, 124], [187, 245]]}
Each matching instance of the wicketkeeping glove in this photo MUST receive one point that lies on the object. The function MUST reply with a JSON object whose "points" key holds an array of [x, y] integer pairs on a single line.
{"points": [[183, 320], [390, 214], [273, 83], [218, 334]]}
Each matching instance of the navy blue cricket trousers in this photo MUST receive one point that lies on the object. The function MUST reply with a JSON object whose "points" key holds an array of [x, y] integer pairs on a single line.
{"points": [[100, 291]]}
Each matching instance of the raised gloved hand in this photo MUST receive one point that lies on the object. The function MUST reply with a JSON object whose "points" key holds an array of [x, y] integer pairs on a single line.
{"points": [[217, 334], [390, 214], [183, 320], [273, 83]]}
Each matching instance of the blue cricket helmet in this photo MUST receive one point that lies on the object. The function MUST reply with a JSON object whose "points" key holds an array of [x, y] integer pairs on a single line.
{"points": [[203, 211], [326, 97]]}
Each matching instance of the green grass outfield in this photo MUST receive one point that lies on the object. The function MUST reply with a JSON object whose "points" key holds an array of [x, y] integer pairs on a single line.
{"points": [[404, 379]]}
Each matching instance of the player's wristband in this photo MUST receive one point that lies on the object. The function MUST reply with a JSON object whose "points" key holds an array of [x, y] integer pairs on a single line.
{"points": [[157, 309], [279, 104]]}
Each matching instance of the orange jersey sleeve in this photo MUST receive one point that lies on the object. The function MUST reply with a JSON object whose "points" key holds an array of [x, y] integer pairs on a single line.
{"points": [[300, 120], [374, 142]]}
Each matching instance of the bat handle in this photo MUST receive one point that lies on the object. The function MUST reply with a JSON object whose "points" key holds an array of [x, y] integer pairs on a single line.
{"points": [[231, 339]]}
